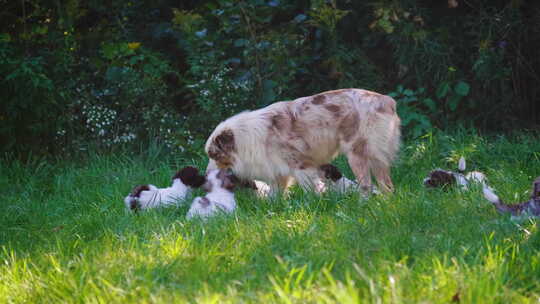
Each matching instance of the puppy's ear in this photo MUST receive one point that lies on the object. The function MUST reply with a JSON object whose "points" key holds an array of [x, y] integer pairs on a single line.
{"points": [[229, 180], [440, 178], [190, 176], [331, 172]]}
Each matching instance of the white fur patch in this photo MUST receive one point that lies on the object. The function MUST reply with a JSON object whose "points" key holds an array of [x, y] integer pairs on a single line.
{"points": [[159, 197], [490, 195], [218, 200]]}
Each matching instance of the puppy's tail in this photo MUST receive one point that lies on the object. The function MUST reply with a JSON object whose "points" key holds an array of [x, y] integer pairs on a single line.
{"points": [[462, 164], [496, 201]]}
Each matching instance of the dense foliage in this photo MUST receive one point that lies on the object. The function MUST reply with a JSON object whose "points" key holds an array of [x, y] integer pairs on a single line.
{"points": [[91, 72]]}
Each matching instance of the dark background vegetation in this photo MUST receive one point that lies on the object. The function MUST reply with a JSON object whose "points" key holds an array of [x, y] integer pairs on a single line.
{"points": [[77, 73]]}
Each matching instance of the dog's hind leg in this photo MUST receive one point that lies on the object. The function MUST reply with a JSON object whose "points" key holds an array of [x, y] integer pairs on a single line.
{"points": [[360, 168], [359, 163]]}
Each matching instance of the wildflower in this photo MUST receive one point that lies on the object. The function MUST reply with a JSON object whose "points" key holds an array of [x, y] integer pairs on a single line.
{"points": [[134, 45]]}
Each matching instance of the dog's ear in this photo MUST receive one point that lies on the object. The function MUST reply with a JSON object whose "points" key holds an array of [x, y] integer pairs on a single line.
{"points": [[225, 141], [190, 176], [331, 172]]}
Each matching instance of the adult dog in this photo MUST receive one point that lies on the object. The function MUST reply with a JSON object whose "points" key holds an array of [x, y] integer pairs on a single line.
{"points": [[289, 140]]}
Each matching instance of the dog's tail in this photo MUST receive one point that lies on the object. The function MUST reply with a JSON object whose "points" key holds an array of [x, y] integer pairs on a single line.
{"points": [[501, 206]]}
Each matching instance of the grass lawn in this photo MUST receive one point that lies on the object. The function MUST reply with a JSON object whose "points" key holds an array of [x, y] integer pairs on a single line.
{"points": [[65, 235]]}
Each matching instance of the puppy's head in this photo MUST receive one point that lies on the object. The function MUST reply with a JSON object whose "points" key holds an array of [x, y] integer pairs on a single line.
{"points": [[439, 178], [331, 172], [221, 148], [190, 176], [220, 178]]}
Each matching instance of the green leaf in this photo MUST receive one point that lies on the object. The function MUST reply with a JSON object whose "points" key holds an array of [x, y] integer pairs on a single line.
{"points": [[240, 42], [430, 104], [462, 88], [5, 37], [114, 74], [408, 92], [269, 84], [453, 102], [443, 90]]}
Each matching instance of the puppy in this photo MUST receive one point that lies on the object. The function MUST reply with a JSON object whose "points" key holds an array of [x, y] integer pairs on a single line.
{"points": [[530, 207], [150, 196], [220, 184], [338, 182], [440, 178], [289, 140], [262, 189]]}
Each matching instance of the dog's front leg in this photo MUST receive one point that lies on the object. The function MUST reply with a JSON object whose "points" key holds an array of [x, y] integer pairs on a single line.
{"points": [[281, 185]]}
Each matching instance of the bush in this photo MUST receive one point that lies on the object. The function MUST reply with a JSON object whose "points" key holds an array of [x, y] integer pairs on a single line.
{"points": [[111, 73]]}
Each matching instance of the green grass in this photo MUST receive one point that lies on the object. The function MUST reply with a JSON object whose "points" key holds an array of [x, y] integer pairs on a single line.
{"points": [[66, 237]]}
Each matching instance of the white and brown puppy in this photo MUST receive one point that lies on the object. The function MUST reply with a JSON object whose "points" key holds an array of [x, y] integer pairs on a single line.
{"points": [[220, 184], [150, 196], [339, 182], [289, 140], [336, 180], [528, 208], [440, 178], [262, 189]]}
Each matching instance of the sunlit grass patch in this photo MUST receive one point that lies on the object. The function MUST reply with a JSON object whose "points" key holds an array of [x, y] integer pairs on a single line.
{"points": [[66, 236]]}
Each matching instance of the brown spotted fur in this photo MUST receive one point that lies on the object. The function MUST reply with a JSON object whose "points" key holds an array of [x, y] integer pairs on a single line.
{"points": [[292, 139]]}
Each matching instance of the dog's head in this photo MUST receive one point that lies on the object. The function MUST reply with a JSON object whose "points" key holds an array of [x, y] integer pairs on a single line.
{"points": [[331, 172], [190, 176], [221, 147], [439, 178], [220, 178]]}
